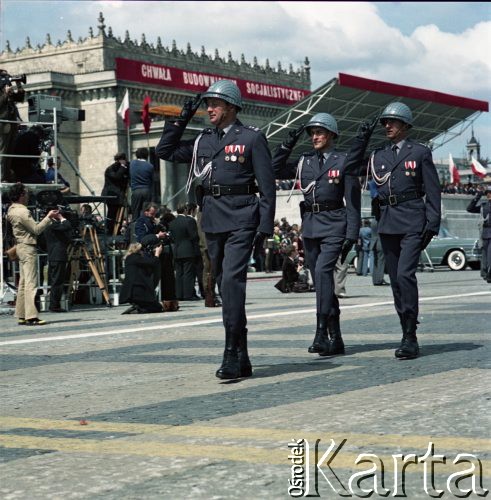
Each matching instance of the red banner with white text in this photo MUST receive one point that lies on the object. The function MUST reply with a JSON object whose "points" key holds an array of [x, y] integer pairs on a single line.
{"points": [[196, 81]]}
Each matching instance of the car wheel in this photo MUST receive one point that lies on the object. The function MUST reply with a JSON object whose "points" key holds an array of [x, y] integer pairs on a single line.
{"points": [[456, 260]]}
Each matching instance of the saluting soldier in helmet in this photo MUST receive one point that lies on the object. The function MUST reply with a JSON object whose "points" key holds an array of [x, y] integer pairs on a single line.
{"points": [[233, 164], [329, 227], [409, 198], [484, 208]]}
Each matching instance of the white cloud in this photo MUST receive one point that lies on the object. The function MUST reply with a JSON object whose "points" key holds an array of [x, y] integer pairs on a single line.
{"points": [[336, 36]]}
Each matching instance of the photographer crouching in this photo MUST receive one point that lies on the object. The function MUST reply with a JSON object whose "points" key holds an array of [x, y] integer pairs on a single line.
{"points": [[10, 94], [141, 276]]}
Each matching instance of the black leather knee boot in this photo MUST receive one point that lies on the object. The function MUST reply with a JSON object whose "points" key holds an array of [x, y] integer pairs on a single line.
{"points": [[336, 344], [409, 348], [321, 339], [245, 368], [230, 364]]}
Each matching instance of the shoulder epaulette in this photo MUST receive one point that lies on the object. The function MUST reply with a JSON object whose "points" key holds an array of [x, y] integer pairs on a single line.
{"points": [[252, 127], [207, 131]]}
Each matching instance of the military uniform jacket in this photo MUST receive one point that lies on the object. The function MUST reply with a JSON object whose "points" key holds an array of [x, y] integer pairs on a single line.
{"points": [[242, 157], [412, 170], [333, 183], [484, 209]]}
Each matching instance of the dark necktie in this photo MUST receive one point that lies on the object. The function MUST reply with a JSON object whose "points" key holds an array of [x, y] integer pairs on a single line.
{"points": [[321, 161], [395, 150], [221, 133]]}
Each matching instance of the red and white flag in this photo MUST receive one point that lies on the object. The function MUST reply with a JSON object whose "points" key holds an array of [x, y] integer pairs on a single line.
{"points": [[124, 109], [477, 168], [454, 173]]}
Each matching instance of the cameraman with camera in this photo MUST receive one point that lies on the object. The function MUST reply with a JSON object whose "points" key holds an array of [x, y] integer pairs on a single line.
{"points": [[9, 95], [25, 231], [141, 275], [27, 148]]}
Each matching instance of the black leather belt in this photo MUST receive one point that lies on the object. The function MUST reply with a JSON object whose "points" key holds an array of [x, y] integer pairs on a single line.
{"points": [[315, 208], [395, 199], [220, 189]]}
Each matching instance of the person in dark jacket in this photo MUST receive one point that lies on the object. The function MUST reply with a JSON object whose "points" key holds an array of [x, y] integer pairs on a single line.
{"points": [[409, 214], [290, 270], [233, 163], [141, 182], [28, 143], [330, 213], [186, 247], [484, 208], [141, 274], [115, 184], [58, 237]]}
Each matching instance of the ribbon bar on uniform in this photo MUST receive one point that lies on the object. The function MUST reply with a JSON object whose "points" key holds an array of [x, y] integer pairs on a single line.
{"points": [[220, 189]]}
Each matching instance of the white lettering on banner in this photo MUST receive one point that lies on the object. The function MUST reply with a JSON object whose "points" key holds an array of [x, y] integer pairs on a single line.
{"points": [[275, 92], [201, 79], [156, 72]]}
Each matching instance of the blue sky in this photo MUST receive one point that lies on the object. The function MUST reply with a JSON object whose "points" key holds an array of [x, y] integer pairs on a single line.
{"points": [[442, 46]]}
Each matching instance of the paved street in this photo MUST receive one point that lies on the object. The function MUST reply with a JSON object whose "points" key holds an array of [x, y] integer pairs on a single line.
{"points": [[100, 405]]}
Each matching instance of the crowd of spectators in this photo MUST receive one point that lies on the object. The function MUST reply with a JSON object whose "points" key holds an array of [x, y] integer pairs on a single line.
{"points": [[459, 188], [270, 256]]}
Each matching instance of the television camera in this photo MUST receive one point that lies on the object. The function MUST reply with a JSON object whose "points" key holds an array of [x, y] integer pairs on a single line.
{"points": [[53, 200], [42, 108]]}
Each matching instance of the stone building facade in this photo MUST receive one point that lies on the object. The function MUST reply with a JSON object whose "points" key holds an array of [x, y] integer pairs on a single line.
{"points": [[94, 73]]}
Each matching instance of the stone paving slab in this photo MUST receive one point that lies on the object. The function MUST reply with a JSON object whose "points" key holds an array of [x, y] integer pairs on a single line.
{"points": [[158, 424]]}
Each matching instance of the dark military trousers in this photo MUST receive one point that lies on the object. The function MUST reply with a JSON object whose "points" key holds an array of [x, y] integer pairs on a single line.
{"points": [[402, 253], [230, 253], [321, 255], [486, 252]]}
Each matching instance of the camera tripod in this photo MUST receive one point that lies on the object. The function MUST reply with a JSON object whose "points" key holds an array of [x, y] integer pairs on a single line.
{"points": [[119, 220], [94, 259]]}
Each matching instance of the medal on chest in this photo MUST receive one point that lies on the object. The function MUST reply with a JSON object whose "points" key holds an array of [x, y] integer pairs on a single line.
{"points": [[235, 152], [410, 168], [333, 176]]}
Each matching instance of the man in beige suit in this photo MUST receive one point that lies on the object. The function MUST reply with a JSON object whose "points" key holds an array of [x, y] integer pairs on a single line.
{"points": [[25, 230]]}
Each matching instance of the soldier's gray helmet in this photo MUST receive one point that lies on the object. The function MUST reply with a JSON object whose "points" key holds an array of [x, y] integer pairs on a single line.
{"points": [[324, 120], [397, 111], [225, 90]]}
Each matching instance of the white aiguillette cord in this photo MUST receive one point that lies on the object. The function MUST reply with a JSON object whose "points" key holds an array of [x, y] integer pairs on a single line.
{"points": [[379, 180], [194, 170], [298, 175]]}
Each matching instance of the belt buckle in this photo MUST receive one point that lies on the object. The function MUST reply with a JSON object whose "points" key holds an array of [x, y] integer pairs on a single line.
{"points": [[215, 190], [392, 200], [315, 208]]}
